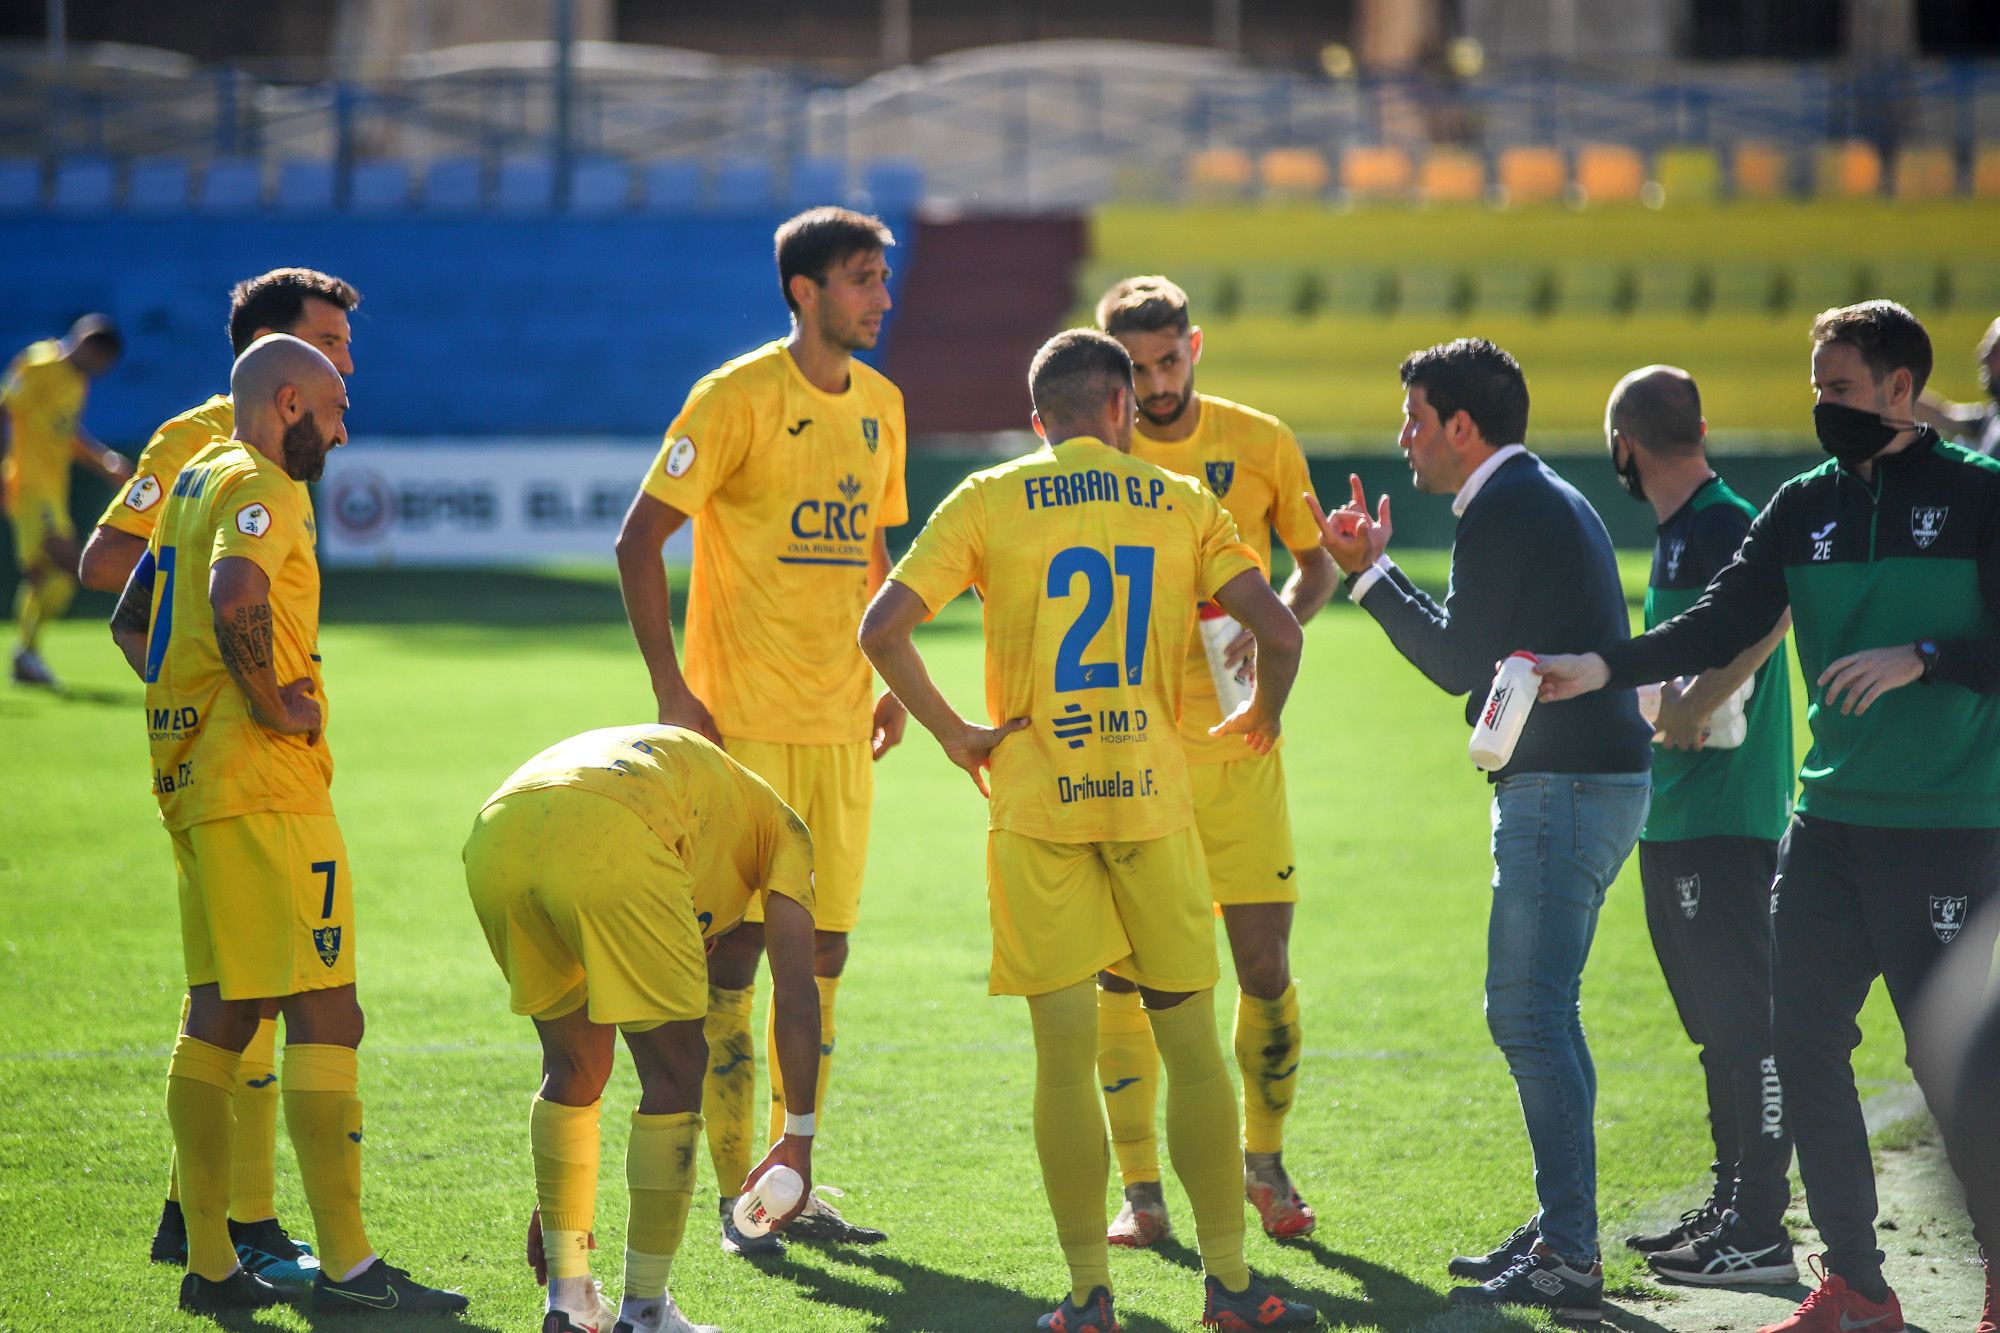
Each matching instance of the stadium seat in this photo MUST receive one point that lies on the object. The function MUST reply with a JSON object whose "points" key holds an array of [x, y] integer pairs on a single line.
{"points": [[744, 185], [525, 183], [1916, 283], [893, 184], [1849, 170], [380, 186], [1430, 289], [1925, 173], [1813, 287], [1758, 171], [814, 181], [157, 185], [306, 185], [453, 185], [1986, 172], [84, 185], [1271, 289], [599, 186], [1452, 176], [1592, 287], [1501, 287], [1219, 173], [671, 185], [1687, 174], [1666, 287], [1293, 173], [1376, 173], [1351, 289], [1609, 173], [1742, 287], [20, 184], [1208, 289], [1975, 285], [1531, 174], [231, 185]]}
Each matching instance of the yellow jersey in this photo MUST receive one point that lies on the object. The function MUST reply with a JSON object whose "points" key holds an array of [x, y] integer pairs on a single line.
{"points": [[136, 507], [42, 395], [1253, 463], [726, 824], [211, 759], [786, 485], [1091, 564]]}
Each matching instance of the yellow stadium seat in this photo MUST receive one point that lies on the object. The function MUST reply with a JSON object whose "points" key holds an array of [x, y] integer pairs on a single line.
{"points": [[1916, 283], [1743, 287], [1503, 288], [1430, 290], [1219, 173], [1975, 285], [1452, 176], [1271, 289], [1849, 170], [1986, 172], [1664, 288], [1351, 289], [1531, 175], [1294, 173], [1376, 173], [1687, 175], [1811, 288], [1590, 287], [1925, 173], [1758, 170], [1609, 173]]}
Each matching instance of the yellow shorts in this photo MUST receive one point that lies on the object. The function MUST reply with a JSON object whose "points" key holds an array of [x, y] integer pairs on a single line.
{"points": [[34, 521], [832, 787], [1064, 911], [582, 903], [267, 906], [1246, 829]]}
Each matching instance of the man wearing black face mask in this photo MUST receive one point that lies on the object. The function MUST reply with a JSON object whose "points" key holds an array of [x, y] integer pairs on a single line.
{"points": [[1710, 845], [1889, 558]]}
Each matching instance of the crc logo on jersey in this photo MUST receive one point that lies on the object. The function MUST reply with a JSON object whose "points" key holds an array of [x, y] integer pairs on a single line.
{"points": [[1675, 550], [326, 939], [143, 494], [1947, 917], [836, 520], [1687, 888], [1220, 475], [680, 457], [1926, 523], [871, 433], [253, 520]]}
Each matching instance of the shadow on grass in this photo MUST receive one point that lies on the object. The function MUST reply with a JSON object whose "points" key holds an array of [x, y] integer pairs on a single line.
{"points": [[1390, 1299]]}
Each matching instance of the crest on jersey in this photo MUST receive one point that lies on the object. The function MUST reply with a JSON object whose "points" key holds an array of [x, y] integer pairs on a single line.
{"points": [[326, 939], [1947, 917], [871, 433], [1926, 523], [253, 520], [1220, 474], [1675, 550], [143, 494], [680, 456], [850, 486], [1687, 888]]}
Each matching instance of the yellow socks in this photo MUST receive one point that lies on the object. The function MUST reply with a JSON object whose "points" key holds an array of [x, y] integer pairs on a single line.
{"points": [[253, 1151], [828, 988], [1076, 1162], [659, 1168], [1267, 1051], [199, 1081], [1201, 1133], [565, 1144], [33, 606], [729, 1087], [1128, 1067], [323, 1113]]}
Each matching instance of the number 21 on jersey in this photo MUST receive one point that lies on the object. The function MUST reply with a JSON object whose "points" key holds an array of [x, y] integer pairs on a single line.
{"points": [[1134, 565]]}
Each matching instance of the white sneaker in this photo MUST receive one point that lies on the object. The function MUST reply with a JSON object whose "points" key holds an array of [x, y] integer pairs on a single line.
{"points": [[661, 1316]]}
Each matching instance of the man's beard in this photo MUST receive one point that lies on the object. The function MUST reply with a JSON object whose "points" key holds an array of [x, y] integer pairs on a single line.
{"points": [[304, 449], [1168, 418]]}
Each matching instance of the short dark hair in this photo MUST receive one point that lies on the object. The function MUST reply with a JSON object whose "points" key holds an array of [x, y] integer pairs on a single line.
{"points": [[277, 301], [1888, 337], [1472, 376], [817, 239], [1075, 372], [97, 328], [1659, 409], [1150, 304]]}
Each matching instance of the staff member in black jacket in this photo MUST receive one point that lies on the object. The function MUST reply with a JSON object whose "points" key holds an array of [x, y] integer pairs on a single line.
{"points": [[1889, 558], [1531, 566]]}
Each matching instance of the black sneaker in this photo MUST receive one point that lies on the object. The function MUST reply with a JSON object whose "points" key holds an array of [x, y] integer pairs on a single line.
{"points": [[1695, 1222], [266, 1250], [1256, 1306], [170, 1238], [821, 1223], [1093, 1316], [1486, 1267], [1542, 1281], [239, 1291], [383, 1288], [769, 1245], [1729, 1255]]}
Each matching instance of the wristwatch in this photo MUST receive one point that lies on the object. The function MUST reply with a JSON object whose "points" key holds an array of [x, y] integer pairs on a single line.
{"points": [[1927, 653]]}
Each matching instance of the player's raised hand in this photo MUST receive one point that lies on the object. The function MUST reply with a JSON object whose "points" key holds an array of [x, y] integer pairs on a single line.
{"points": [[302, 715], [1350, 535], [1566, 675], [891, 719], [1251, 723], [683, 709], [972, 748]]}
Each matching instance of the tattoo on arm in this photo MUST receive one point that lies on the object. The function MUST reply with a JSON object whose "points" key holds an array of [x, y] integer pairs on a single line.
{"points": [[245, 640], [134, 613]]}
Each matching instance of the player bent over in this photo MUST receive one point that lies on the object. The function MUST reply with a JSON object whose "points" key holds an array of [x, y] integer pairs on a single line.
{"points": [[1091, 564], [602, 871], [221, 620]]}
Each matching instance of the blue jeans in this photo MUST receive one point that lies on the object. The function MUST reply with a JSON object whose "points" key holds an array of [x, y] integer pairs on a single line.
{"points": [[1558, 841]]}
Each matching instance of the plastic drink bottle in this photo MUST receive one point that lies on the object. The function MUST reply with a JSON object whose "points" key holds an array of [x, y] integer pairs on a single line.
{"points": [[776, 1193], [1505, 712], [1233, 685], [1727, 725]]}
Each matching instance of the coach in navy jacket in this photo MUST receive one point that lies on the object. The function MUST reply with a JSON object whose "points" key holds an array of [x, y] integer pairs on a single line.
{"points": [[1531, 566]]}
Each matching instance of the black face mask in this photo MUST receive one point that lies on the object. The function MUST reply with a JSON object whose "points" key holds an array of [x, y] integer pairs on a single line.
{"points": [[1628, 474], [1850, 434]]}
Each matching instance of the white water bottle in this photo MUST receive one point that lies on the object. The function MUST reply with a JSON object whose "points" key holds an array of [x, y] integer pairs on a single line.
{"points": [[1505, 712], [1729, 723], [1233, 685], [776, 1193]]}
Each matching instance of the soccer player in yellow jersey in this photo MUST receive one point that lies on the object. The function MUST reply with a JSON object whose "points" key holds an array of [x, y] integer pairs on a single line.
{"points": [[1253, 465], [221, 620], [790, 461], [313, 307], [1091, 563], [602, 872], [41, 434]]}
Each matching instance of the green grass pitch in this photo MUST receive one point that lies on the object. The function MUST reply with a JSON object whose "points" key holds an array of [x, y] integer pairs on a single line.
{"points": [[1406, 1138]]}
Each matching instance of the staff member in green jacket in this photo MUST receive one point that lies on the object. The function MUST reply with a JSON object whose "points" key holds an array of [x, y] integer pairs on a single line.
{"points": [[1889, 558]]}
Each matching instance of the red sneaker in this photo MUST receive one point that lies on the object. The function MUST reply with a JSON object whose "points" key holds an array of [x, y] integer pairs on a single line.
{"points": [[1839, 1308]]}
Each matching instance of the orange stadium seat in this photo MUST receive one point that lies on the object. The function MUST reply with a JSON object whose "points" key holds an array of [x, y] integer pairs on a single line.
{"points": [[1850, 170], [1609, 173], [1219, 173], [1757, 170], [1452, 176], [1531, 175], [1370, 172], [1294, 173], [1687, 174], [1986, 172], [1925, 173]]}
